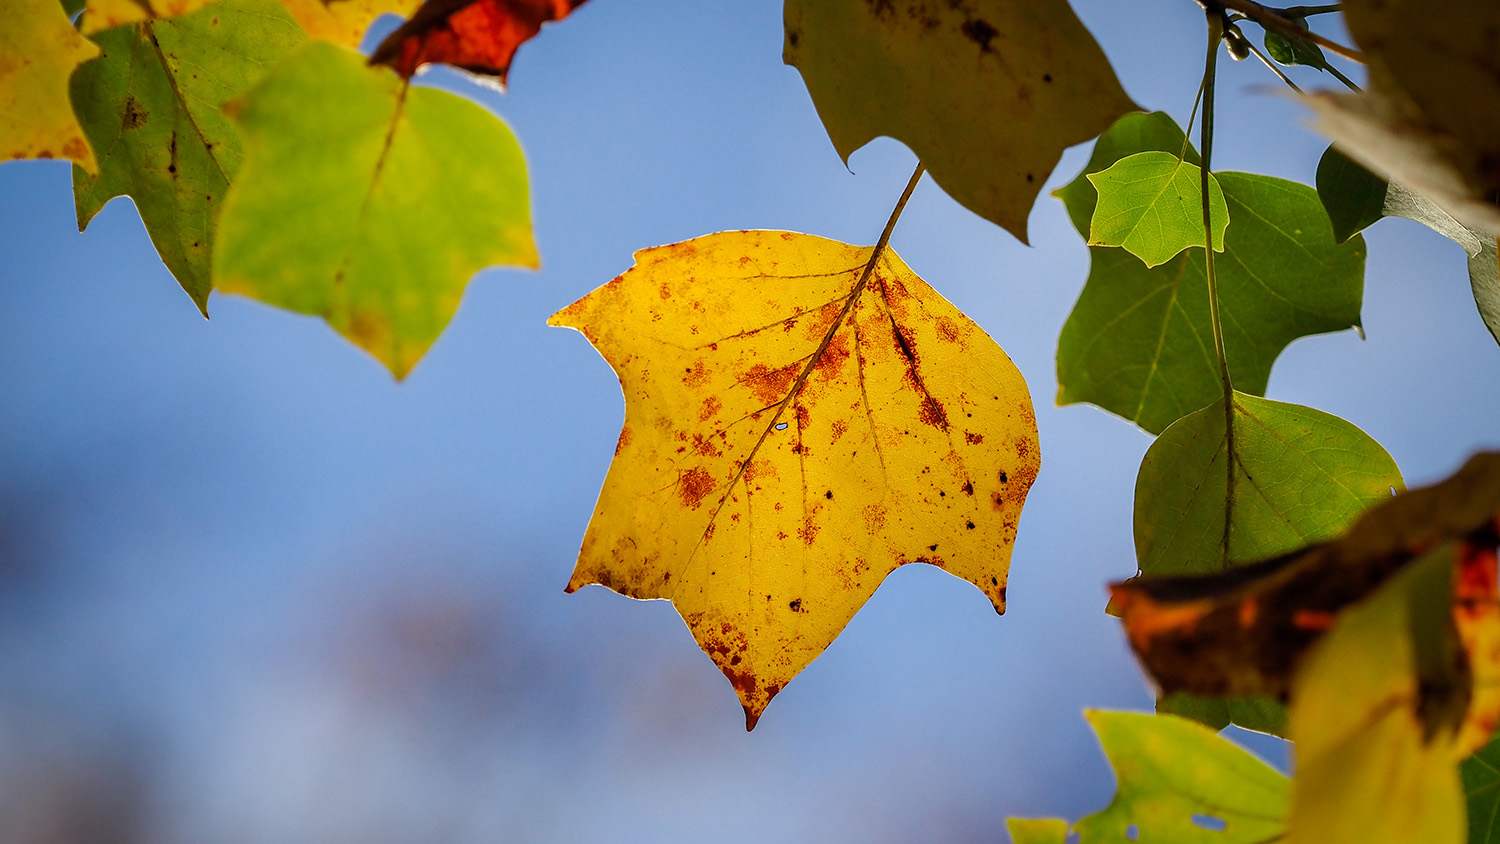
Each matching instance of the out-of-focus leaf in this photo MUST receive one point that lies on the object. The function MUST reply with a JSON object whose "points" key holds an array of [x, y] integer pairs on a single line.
{"points": [[151, 106], [480, 36], [987, 93], [99, 15], [1037, 830], [1484, 279], [802, 417], [1244, 631], [1481, 780], [368, 202], [1181, 782], [1375, 733], [1261, 714], [38, 51], [343, 21], [1299, 476], [1139, 341], [1150, 203], [1430, 118]]}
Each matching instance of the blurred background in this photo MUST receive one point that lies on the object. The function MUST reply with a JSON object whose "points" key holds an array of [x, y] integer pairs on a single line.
{"points": [[254, 591]]}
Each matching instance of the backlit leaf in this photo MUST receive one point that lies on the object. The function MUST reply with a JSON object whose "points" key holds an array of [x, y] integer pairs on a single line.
{"points": [[1139, 342], [1430, 118], [1481, 780], [1290, 50], [987, 93], [799, 421], [151, 107], [99, 15], [1150, 203], [1376, 751], [1245, 630], [1484, 279], [38, 51], [1181, 782], [367, 202], [1037, 830], [343, 21], [480, 36], [1353, 196]]}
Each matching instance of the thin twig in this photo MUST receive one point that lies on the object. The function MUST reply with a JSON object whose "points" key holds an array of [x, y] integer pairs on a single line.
{"points": [[1265, 60], [1273, 19], [1309, 11]]}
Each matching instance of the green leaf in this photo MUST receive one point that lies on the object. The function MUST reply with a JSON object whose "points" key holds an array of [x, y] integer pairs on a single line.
{"points": [[1261, 714], [1481, 780], [1376, 755], [1290, 50], [1181, 782], [1037, 830], [1353, 196], [1133, 133], [1139, 341], [987, 93], [150, 107], [368, 203], [1300, 476], [1150, 203]]}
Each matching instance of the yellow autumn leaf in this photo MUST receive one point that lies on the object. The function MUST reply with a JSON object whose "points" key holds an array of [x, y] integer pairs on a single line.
{"points": [[799, 421], [344, 21], [100, 15], [38, 51]]}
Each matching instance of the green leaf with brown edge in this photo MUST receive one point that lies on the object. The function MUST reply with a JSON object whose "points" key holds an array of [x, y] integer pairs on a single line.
{"points": [[1139, 341], [1151, 204], [150, 106], [1178, 781], [987, 93], [1300, 476], [367, 202]]}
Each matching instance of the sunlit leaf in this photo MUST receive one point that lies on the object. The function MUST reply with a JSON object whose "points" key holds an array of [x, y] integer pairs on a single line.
{"points": [[1181, 782], [480, 36], [1375, 735], [1037, 830], [798, 423], [1150, 203], [987, 93], [38, 51], [99, 15], [343, 21], [1139, 341], [151, 107], [367, 202], [1299, 476]]}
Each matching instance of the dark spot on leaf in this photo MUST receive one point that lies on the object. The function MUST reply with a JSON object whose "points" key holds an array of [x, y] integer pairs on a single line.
{"points": [[132, 115], [694, 486], [828, 494], [1030, 178], [1004, 478], [968, 487], [1046, 77], [973, 439], [994, 581], [792, 37], [969, 525], [932, 548], [796, 605], [980, 32]]}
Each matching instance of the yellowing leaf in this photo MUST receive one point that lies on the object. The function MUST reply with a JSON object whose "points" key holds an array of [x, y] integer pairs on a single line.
{"points": [[100, 15], [1375, 764], [799, 421], [1037, 830], [38, 51], [344, 21], [988, 93]]}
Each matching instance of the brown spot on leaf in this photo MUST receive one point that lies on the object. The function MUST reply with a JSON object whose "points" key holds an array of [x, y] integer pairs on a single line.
{"points": [[696, 376], [808, 532], [972, 438], [770, 385], [625, 435], [711, 406], [132, 114], [932, 413], [694, 485], [968, 487], [980, 32], [840, 427]]}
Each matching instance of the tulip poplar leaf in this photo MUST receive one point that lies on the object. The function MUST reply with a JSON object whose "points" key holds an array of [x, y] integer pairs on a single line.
{"points": [[151, 106], [1180, 781], [1150, 203], [39, 50], [987, 93], [802, 416], [479, 36], [1139, 342], [368, 202]]}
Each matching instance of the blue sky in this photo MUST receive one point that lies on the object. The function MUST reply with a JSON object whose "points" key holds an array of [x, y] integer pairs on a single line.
{"points": [[286, 599]]}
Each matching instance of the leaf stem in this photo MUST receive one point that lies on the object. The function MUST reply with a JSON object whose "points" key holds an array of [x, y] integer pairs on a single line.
{"points": [[1265, 60], [1206, 149], [1274, 19]]}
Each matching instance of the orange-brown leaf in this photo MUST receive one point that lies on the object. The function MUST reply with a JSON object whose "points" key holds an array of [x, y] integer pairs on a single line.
{"points": [[480, 36]]}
